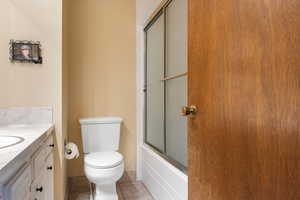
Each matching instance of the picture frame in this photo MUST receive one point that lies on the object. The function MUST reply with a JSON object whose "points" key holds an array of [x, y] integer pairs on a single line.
{"points": [[24, 51]]}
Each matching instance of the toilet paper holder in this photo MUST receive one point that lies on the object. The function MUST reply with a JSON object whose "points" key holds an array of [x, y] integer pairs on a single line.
{"points": [[68, 151], [71, 151]]}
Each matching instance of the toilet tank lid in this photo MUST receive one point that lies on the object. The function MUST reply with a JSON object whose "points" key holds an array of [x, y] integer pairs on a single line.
{"points": [[101, 120]]}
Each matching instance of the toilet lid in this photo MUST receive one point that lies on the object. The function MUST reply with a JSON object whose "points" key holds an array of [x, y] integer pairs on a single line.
{"points": [[103, 160]]}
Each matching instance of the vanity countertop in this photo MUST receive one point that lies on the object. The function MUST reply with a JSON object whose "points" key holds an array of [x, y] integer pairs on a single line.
{"points": [[16, 155]]}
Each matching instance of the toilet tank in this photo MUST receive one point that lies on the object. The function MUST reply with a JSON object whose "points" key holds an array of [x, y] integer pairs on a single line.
{"points": [[100, 134]]}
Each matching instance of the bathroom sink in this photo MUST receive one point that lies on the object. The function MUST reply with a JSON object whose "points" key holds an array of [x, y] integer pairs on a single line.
{"points": [[8, 141]]}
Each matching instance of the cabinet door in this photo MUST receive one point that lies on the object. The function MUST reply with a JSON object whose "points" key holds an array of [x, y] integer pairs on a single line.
{"points": [[38, 187], [19, 186], [49, 168], [43, 185]]}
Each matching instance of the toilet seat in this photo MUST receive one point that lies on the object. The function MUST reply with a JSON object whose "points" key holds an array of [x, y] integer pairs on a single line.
{"points": [[103, 160]]}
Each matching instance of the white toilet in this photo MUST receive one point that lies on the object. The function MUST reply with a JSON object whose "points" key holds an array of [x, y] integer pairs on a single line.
{"points": [[103, 165]]}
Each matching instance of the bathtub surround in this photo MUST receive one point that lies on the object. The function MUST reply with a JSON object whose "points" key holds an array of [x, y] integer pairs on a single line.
{"points": [[27, 85]]}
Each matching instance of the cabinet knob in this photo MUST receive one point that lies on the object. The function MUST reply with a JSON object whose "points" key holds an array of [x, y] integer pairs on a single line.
{"points": [[51, 145], [40, 189], [49, 168]]}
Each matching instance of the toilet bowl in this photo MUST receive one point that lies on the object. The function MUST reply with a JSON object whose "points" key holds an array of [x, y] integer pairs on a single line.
{"points": [[103, 165], [104, 169]]}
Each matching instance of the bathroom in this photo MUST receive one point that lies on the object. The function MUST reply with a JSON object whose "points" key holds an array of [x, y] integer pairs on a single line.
{"points": [[149, 100]]}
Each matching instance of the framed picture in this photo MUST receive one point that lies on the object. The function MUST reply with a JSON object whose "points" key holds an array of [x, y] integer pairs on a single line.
{"points": [[25, 51]]}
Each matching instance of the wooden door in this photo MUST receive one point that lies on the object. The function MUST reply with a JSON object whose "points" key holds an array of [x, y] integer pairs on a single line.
{"points": [[244, 77]]}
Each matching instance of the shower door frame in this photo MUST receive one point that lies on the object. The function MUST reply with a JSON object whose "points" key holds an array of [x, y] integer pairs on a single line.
{"points": [[160, 11]]}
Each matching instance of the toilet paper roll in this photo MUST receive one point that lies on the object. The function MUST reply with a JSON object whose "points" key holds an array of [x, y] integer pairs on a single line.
{"points": [[71, 151]]}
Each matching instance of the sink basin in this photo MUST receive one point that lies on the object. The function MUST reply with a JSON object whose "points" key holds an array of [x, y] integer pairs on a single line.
{"points": [[8, 141]]}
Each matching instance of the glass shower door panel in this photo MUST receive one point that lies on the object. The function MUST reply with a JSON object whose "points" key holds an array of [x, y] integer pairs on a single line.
{"points": [[155, 87], [176, 124], [176, 38], [176, 88]]}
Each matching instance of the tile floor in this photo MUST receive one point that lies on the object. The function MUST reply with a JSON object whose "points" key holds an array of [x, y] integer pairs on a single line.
{"points": [[128, 188]]}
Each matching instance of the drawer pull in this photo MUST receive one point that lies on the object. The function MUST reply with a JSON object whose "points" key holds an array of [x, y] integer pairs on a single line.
{"points": [[39, 189], [51, 145], [49, 168]]}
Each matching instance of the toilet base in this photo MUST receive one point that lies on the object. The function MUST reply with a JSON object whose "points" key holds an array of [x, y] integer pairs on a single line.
{"points": [[105, 192], [104, 181]]}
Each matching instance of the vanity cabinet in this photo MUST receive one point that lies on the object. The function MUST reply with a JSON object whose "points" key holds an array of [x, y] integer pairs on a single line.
{"points": [[42, 187], [34, 181]]}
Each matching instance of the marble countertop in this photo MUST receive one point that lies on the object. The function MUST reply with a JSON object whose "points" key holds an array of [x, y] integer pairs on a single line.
{"points": [[14, 156]]}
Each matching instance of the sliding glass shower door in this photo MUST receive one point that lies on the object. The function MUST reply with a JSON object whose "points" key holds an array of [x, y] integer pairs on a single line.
{"points": [[155, 87], [166, 82]]}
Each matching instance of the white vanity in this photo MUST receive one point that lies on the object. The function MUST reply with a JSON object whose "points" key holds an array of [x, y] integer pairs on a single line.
{"points": [[26, 162]]}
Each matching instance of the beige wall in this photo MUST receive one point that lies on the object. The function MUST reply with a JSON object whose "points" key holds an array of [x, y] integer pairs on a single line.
{"points": [[101, 59], [35, 85]]}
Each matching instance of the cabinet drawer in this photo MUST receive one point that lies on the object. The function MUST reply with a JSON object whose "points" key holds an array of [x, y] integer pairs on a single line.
{"points": [[49, 163], [42, 187], [49, 145], [19, 187], [39, 162], [38, 187], [49, 190]]}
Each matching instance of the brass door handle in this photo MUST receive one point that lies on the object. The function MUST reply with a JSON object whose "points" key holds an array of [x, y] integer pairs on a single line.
{"points": [[189, 111]]}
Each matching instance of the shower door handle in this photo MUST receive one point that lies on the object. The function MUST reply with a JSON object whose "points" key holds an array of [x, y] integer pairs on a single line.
{"points": [[189, 111]]}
